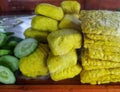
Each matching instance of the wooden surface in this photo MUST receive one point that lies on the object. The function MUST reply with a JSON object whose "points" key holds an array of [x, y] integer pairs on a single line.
{"points": [[25, 6], [59, 88], [102, 4], [47, 85], [70, 85]]}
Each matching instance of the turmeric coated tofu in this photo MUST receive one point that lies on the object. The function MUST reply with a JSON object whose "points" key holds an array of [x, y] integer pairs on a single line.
{"points": [[64, 40], [50, 11], [40, 36], [60, 62], [34, 65], [71, 7], [44, 23], [67, 73], [70, 21]]}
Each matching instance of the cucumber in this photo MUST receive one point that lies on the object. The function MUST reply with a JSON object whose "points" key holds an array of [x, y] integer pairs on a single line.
{"points": [[25, 47], [6, 75], [14, 38], [9, 61], [3, 38], [11, 42], [4, 52], [9, 33]]}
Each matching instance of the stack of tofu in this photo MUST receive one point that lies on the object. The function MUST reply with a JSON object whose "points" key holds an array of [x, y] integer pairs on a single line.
{"points": [[101, 53]]}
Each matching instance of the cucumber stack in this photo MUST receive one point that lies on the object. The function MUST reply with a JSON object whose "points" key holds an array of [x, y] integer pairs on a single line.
{"points": [[11, 49]]}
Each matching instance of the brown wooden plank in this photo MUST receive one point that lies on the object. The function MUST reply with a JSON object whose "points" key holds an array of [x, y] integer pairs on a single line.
{"points": [[109, 4], [29, 5], [91, 4], [59, 88], [4, 5], [102, 4]]}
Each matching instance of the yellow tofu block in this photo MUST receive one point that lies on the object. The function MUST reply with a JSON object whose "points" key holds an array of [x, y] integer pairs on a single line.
{"points": [[41, 36], [62, 41], [100, 76], [69, 72], [35, 64], [61, 62], [72, 7], [49, 10], [70, 21], [44, 23], [90, 64], [101, 22]]}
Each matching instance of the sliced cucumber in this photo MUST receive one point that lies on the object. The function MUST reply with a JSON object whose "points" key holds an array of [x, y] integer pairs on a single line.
{"points": [[25, 47], [6, 75], [3, 38], [9, 33], [14, 38], [9, 61], [4, 52], [11, 42]]}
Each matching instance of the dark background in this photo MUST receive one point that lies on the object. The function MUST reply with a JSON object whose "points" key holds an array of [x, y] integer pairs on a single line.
{"points": [[26, 6]]}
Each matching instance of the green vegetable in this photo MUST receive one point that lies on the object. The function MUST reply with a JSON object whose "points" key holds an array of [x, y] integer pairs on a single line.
{"points": [[14, 38], [25, 47], [12, 41], [3, 38], [9, 33], [9, 61], [6, 75], [4, 52]]}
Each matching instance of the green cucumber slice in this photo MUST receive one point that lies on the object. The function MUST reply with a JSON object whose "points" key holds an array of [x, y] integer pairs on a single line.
{"points": [[6, 75], [14, 38], [4, 52], [25, 47], [11, 42], [3, 38], [9, 61], [9, 33]]}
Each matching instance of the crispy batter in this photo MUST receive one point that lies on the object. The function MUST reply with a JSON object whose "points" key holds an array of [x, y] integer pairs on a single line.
{"points": [[108, 38], [101, 22], [90, 64], [100, 76], [103, 55], [92, 43]]}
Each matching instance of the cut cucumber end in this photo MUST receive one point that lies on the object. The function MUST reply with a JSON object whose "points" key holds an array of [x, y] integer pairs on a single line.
{"points": [[25, 47], [9, 61], [6, 75]]}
